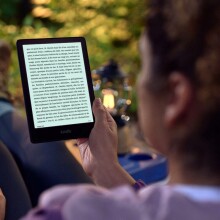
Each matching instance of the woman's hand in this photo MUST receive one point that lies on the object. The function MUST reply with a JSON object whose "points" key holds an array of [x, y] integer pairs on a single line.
{"points": [[2, 205], [99, 152]]}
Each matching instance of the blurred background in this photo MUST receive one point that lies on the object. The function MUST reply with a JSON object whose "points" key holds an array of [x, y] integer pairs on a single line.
{"points": [[111, 29]]}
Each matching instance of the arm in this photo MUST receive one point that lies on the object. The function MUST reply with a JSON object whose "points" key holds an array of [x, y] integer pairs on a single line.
{"points": [[99, 152]]}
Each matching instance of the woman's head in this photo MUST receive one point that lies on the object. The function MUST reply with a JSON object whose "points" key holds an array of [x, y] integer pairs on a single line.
{"points": [[180, 80], [5, 59]]}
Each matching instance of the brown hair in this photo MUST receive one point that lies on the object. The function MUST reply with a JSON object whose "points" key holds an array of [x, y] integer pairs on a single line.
{"points": [[185, 37]]}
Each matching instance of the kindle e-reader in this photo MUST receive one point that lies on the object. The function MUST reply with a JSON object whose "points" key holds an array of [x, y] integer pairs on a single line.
{"points": [[57, 87]]}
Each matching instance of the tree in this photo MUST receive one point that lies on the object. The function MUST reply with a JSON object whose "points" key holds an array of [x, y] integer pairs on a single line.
{"points": [[111, 28]]}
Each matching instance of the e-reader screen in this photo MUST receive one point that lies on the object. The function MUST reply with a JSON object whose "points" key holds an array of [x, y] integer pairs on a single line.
{"points": [[58, 82]]}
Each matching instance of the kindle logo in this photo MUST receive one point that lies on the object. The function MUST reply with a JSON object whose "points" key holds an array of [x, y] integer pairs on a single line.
{"points": [[68, 131]]}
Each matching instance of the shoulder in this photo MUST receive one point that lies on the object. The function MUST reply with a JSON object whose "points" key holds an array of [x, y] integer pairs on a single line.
{"points": [[165, 202], [85, 202], [91, 202]]}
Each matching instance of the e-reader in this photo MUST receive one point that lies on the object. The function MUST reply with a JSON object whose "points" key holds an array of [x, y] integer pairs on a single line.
{"points": [[57, 87]]}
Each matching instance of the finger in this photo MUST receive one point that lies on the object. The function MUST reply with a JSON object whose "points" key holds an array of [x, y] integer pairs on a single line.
{"points": [[109, 116], [82, 148], [110, 120], [81, 140], [102, 115], [99, 112]]}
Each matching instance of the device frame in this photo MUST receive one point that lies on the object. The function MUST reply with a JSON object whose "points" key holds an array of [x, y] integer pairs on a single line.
{"points": [[54, 133]]}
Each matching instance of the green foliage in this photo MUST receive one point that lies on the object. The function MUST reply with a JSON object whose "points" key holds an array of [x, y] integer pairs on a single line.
{"points": [[111, 28]]}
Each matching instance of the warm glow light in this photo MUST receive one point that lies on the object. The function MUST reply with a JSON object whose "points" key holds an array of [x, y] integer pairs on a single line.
{"points": [[108, 101], [41, 12], [128, 102], [40, 2], [135, 150], [108, 98]]}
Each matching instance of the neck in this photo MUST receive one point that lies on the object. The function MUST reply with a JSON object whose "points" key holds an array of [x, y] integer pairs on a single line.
{"points": [[180, 175]]}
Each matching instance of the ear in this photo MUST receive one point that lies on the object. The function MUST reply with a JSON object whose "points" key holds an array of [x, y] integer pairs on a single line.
{"points": [[180, 98]]}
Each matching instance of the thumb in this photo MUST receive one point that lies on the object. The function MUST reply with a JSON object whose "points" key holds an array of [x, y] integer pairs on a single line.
{"points": [[102, 117], [99, 111]]}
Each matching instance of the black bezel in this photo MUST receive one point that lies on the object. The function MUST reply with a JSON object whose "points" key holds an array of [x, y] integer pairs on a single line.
{"points": [[54, 133]]}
